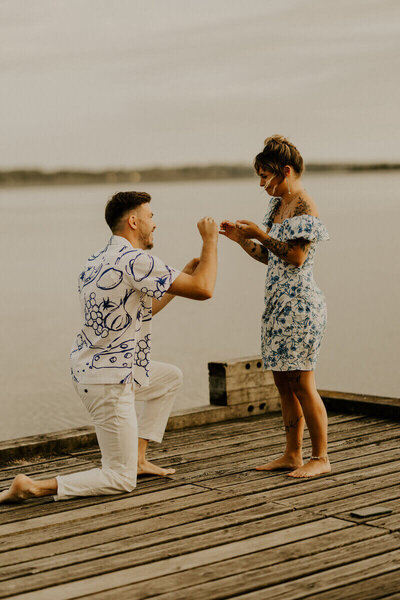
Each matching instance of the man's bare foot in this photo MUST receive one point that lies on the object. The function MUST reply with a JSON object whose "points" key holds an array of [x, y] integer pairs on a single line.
{"points": [[312, 469], [284, 463], [147, 468], [21, 489]]}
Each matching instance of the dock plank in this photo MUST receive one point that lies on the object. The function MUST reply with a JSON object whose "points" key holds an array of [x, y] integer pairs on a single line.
{"points": [[217, 528], [165, 566], [211, 579], [362, 570]]}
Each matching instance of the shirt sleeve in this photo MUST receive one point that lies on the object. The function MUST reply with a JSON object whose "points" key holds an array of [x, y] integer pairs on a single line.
{"points": [[149, 274], [306, 227]]}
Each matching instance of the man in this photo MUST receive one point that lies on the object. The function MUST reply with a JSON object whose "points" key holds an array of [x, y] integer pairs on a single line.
{"points": [[120, 289]]}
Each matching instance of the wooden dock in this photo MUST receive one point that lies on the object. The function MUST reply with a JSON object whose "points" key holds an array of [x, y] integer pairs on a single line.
{"points": [[218, 528]]}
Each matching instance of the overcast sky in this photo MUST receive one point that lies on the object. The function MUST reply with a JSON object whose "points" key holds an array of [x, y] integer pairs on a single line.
{"points": [[95, 83]]}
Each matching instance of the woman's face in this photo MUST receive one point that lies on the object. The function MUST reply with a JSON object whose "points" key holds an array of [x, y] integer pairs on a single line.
{"points": [[269, 181]]}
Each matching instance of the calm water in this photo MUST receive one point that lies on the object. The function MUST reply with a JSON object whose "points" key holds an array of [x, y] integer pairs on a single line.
{"points": [[47, 234]]}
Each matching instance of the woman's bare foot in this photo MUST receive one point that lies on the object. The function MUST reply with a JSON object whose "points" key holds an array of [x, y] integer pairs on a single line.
{"points": [[21, 489], [313, 468], [148, 468], [286, 462]]}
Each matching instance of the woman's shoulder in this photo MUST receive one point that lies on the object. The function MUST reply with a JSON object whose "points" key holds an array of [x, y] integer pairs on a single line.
{"points": [[305, 205]]}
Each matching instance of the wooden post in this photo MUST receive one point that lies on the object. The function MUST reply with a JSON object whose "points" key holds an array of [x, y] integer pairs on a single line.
{"points": [[243, 381]]}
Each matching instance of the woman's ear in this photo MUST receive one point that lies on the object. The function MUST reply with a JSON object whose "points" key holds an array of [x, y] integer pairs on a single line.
{"points": [[287, 170]]}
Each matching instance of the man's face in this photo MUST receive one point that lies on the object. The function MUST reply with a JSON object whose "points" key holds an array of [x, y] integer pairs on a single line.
{"points": [[146, 225]]}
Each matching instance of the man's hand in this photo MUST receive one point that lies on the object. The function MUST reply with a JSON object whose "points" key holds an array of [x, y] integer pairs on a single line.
{"points": [[248, 229], [229, 230], [208, 229], [191, 266]]}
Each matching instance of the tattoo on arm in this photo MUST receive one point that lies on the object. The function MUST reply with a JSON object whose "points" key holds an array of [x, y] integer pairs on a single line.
{"points": [[256, 251], [282, 249]]}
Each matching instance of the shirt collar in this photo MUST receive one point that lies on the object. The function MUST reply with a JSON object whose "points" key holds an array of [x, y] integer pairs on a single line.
{"points": [[119, 240]]}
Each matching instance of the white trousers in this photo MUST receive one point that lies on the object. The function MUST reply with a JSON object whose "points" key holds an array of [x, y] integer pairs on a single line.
{"points": [[112, 408]]}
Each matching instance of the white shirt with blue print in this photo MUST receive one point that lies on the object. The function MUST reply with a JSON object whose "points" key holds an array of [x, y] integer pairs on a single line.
{"points": [[116, 289]]}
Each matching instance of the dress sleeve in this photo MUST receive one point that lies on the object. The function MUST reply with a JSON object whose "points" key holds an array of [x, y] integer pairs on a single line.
{"points": [[306, 227], [269, 217], [150, 275]]}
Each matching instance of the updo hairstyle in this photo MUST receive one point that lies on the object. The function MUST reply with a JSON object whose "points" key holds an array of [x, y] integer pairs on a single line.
{"points": [[279, 152]]}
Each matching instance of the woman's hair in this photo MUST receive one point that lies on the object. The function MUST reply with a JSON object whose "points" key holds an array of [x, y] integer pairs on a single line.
{"points": [[279, 152]]}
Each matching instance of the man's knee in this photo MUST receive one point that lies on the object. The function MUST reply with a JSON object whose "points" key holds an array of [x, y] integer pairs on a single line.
{"points": [[126, 481], [175, 376]]}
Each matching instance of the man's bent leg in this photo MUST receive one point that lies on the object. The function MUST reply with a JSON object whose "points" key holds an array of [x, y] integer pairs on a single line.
{"points": [[112, 409], [158, 397]]}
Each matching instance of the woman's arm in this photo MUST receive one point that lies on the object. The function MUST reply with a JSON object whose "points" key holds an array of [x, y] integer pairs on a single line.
{"points": [[294, 251], [256, 251]]}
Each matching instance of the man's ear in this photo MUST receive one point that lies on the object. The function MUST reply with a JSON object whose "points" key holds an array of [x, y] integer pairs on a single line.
{"points": [[132, 221]]}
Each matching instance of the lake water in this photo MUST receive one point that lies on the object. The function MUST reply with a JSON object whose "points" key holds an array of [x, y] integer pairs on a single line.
{"points": [[47, 234]]}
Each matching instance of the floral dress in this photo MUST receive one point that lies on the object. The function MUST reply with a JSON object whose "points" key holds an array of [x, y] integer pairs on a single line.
{"points": [[294, 319]]}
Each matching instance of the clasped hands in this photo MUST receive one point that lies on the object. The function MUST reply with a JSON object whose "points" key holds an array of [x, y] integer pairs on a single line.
{"points": [[240, 230]]}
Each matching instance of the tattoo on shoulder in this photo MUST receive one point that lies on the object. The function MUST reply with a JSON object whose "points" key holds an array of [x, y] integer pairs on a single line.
{"points": [[302, 207]]}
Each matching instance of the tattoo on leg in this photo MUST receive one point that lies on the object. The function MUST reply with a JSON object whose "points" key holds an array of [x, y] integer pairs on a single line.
{"points": [[293, 423]]}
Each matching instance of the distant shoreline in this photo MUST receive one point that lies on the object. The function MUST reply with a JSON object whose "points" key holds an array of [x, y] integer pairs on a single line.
{"points": [[32, 177]]}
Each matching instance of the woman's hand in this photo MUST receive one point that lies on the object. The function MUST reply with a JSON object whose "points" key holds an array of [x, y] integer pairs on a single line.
{"points": [[191, 266], [248, 229], [230, 231]]}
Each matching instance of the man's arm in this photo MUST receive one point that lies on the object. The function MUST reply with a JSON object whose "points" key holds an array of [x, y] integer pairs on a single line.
{"points": [[158, 305], [200, 285]]}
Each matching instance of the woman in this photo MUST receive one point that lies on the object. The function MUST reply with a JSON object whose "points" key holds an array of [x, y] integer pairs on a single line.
{"points": [[294, 319]]}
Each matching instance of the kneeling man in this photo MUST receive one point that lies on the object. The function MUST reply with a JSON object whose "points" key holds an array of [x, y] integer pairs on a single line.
{"points": [[121, 288]]}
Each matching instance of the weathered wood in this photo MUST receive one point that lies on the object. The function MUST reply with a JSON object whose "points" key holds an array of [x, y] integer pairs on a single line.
{"points": [[278, 555], [230, 586], [391, 522], [379, 586], [148, 532], [320, 491], [356, 571], [214, 463], [218, 528], [343, 461], [242, 381], [165, 564], [136, 523], [369, 498], [263, 396], [88, 513], [356, 403]]}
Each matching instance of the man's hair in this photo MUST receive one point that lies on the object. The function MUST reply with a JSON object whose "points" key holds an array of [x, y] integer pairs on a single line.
{"points": [[120, 204]]}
